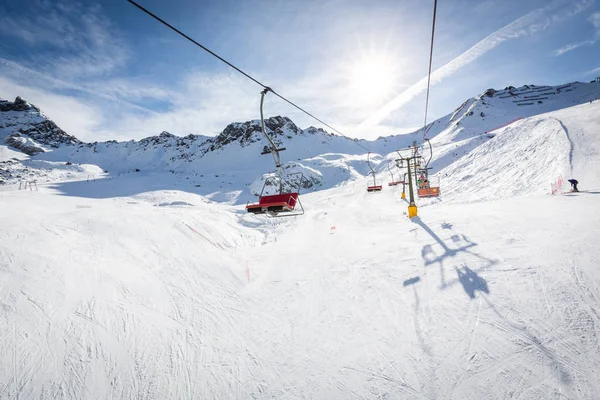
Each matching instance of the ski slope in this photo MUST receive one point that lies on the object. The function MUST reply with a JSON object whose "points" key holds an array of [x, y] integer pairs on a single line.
{"points": [[113, 289]]}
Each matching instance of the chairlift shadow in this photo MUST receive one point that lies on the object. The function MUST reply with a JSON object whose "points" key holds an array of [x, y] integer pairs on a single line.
{"points": [[461, 244], [470, 281]]}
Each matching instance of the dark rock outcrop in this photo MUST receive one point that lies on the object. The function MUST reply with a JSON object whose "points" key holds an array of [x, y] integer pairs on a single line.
{"points": [[18, 105], [48, 133], [17, 141]]}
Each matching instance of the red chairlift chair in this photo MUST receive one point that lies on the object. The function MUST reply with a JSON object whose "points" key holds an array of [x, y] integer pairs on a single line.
{"points": [[374, 188], [285, 203]]}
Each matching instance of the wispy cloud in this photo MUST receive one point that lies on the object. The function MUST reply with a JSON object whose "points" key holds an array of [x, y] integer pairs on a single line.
{"points": [[572, 46], [593, 71], [43, 80], [78, 40], [594, 19], [201, 103], [531, 23], [131, 88]]}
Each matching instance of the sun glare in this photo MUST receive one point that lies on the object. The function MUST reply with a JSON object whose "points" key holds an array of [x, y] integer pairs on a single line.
{"points": [[371, 78]]}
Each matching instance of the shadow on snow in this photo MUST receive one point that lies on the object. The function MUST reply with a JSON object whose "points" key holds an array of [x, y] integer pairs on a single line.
{"points": [[459, 244], [213, 188]]}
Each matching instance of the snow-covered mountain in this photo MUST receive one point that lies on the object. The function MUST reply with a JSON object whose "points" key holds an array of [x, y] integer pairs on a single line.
{"points": [[24, 128], [229, 167]]}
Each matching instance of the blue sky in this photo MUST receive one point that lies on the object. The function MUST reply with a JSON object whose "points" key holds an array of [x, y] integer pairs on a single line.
{"points": [[104, 70]]}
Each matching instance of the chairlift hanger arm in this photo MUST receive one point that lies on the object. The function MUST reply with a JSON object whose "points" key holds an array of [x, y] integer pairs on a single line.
{"points": [[430, 153], [371, 168], [273, 148], [262, 118]]}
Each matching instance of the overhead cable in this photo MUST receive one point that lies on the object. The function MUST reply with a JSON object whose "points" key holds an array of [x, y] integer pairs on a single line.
{"points": [[242, 72], [425, 130]]}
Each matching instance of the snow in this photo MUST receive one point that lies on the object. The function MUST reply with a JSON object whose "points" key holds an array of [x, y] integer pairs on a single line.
{"points": [[143, 286]]}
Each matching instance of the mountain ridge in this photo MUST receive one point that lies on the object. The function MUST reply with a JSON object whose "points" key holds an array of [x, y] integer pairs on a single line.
{"points": [[32, 146]]}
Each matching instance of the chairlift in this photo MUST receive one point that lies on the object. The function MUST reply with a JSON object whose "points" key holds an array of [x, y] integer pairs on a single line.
{"points": [[424, 188], [374, 187], [286, 202], [393, 182]]}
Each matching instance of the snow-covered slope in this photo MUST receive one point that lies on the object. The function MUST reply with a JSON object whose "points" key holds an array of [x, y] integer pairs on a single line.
{"points": [[528, 155], [160, 294], [477, 119]]}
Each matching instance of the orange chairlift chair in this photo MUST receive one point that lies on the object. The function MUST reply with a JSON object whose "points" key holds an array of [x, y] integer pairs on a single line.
{"points": [[424, 188]]}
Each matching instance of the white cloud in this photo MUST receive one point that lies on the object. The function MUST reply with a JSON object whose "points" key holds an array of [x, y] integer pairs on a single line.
{"points": [[40, 80], [201, 103], [531, 23], [572, 46], [593, 71], [594, 19], [131, 89]]}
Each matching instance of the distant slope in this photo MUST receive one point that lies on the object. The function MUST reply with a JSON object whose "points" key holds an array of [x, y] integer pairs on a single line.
{"points": [[525, 157], [463, 130]]}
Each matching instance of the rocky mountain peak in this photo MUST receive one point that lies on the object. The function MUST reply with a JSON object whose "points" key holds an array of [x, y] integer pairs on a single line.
{"points": [[25, 128], [18, 105]]}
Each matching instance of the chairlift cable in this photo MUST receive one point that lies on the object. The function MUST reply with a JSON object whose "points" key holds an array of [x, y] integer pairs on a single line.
{"points": [[429, 74], [242, 72]]}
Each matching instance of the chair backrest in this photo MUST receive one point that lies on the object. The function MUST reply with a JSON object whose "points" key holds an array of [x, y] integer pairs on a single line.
{"points": [[429, 192], [288, 198]]}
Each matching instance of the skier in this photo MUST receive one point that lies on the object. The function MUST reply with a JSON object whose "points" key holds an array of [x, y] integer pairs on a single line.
{"points": [[573, 183], [422, 182]]}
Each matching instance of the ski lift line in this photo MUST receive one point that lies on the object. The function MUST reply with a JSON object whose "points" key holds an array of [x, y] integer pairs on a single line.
{"points": [[430, 62], [241, 71]]}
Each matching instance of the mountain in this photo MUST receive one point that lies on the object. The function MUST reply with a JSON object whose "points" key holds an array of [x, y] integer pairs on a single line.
{"points": [[229, 167], [25, 128]]}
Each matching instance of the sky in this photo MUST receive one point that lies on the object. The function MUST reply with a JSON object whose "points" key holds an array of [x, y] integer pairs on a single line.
{"points": [[107, 71]]}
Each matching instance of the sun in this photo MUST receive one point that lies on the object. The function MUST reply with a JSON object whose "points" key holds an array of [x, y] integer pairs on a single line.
{"points": [[371, 78]]}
